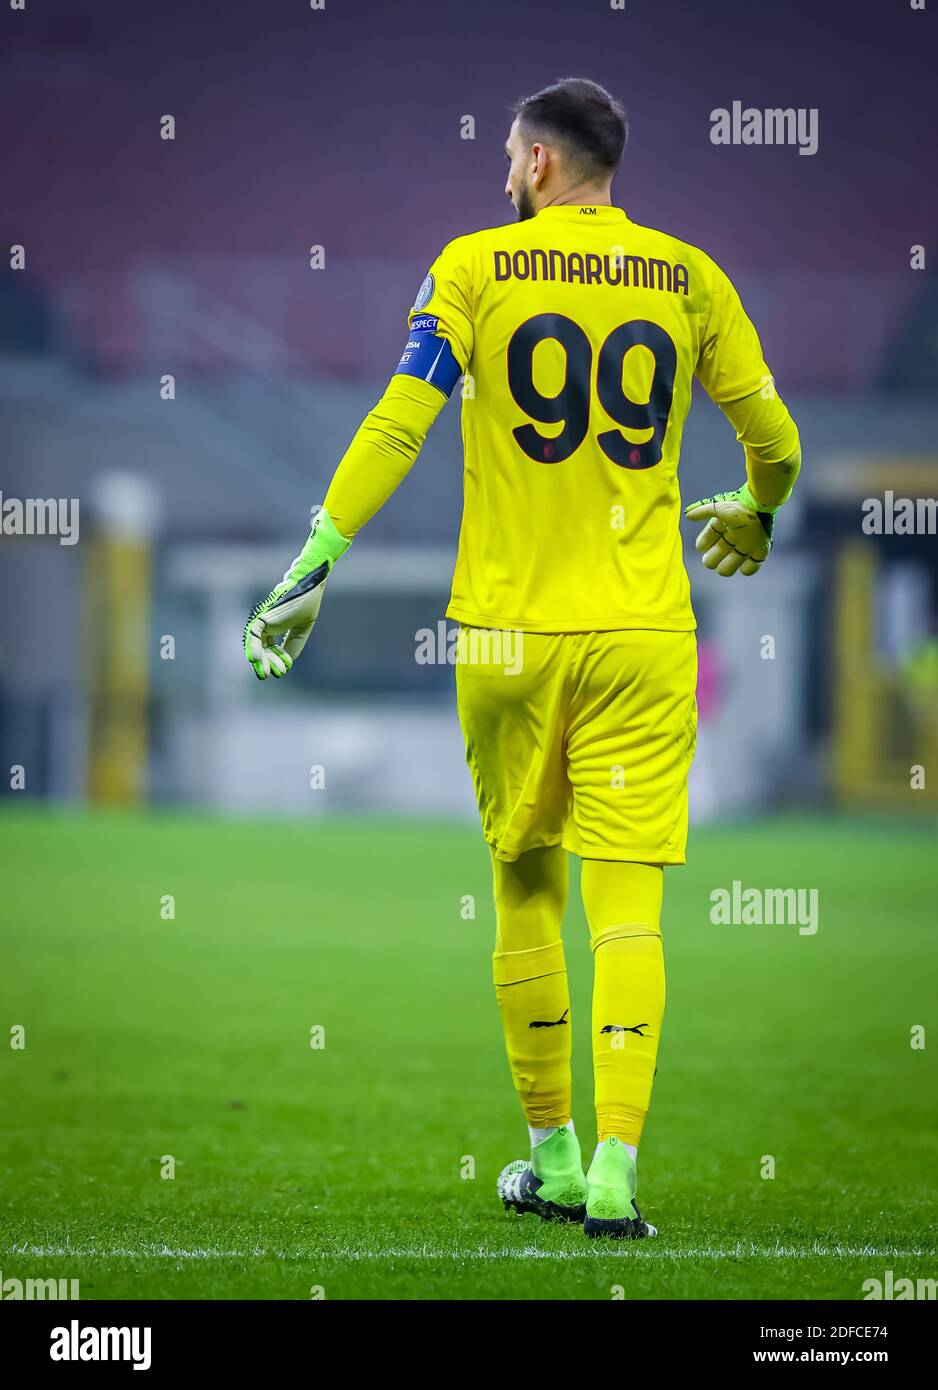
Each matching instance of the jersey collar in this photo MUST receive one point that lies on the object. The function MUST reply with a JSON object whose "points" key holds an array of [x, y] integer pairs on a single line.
{"points": [[583, 212]]}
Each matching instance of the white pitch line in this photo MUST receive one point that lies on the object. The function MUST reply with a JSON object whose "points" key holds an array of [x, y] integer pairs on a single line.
{"points": [[645, 1250]]}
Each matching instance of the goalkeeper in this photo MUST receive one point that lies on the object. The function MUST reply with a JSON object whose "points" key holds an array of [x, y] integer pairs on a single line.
{"points": [[581, 332]]}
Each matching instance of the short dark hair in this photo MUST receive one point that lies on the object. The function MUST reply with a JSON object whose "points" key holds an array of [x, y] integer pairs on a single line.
{"points": [[583, 116]]}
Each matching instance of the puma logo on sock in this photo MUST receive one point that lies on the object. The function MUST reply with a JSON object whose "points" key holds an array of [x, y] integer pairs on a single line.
{"points": [[541, 1023]]}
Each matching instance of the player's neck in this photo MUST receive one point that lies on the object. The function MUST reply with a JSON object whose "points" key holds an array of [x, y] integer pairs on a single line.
{"points": [[582, 195]]}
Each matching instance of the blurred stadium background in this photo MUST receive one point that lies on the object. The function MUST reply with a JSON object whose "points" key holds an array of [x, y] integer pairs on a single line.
{"points": [[122, 680], [124, 692]]}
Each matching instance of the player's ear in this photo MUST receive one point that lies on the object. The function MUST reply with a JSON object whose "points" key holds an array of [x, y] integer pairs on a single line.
{"points": [[539, 162]]}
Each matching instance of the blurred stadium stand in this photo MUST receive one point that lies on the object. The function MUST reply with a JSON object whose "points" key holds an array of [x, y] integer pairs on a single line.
{"points": [[146, 259]]}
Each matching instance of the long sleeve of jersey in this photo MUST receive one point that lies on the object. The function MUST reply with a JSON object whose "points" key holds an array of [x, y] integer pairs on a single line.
{"points": [[437, 351], [383, 451], [770, 439], [733, 372]]}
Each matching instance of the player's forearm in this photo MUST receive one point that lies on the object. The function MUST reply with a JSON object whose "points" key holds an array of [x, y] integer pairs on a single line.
{"points": [[378, 458], [769, 437], [771, 480], [382, 452]]}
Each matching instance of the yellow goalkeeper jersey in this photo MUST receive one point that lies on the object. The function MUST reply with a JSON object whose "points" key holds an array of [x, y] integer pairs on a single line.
{"points": [[579, 333]]}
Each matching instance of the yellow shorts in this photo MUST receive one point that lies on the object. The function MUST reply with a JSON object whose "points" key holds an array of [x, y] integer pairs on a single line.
{"points": [[580, 739]]}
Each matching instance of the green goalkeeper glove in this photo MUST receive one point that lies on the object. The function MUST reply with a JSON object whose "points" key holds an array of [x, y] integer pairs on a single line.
{"points": [[277, 629], [738, 533]]}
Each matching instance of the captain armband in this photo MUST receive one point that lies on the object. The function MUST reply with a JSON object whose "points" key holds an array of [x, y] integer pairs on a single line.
{"points": [[428, 355]]}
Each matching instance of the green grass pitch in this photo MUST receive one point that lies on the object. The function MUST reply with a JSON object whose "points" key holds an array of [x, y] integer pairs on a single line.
{"points": [[366, 1167]]}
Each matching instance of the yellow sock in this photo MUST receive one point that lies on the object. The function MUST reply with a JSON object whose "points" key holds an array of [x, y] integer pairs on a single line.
{"points": [[623, 908], [531, 981]]}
